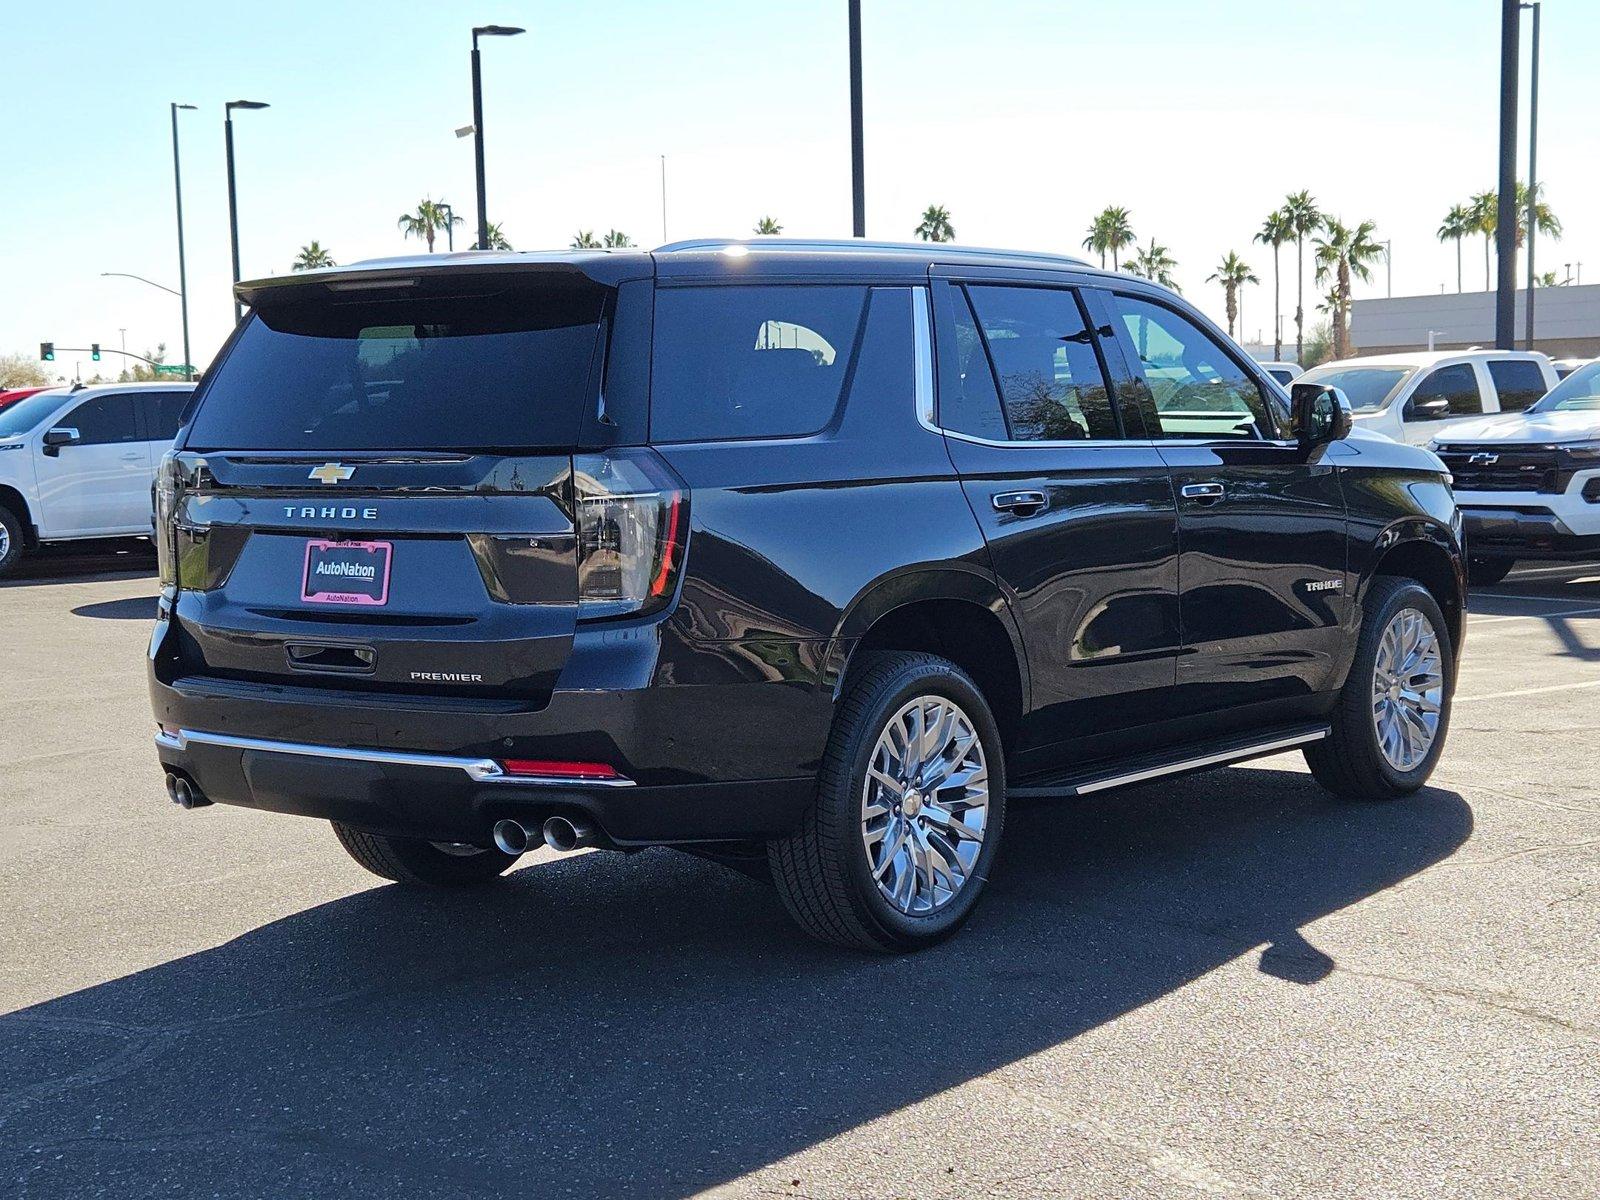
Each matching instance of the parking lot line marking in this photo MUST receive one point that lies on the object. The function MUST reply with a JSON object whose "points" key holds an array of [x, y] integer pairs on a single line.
{"points": [[1556, 687], [1534, 599], [1574, 612]]}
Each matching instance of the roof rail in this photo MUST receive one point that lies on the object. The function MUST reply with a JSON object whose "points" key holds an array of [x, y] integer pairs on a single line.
{"points": [[862, 246]]}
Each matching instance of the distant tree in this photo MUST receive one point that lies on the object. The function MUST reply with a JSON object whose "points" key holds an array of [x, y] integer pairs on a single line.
{"points": [[1119, 232], [497, 239], [1233, 273], [1304, 218], [429, 221], [585, 239], [768, 226], [1344, 253], [1457, 224], [1153, 262], [1484, 214], [143, 371], [1275, 231], [20, 371], [1548, 279], [615, 239], [1319, 345], [1484, 210], [935, 225], [311, 257]]}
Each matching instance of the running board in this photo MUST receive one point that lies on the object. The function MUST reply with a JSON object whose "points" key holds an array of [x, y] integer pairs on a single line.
{"points": [[1154, 766]]}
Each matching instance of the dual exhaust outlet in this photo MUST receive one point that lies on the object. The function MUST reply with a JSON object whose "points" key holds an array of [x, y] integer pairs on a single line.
{"points": [[559, 833], [185, 794]]}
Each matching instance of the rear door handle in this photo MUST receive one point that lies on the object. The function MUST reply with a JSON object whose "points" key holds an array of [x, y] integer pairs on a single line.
{"points": [[1024, 504], [1206, 493]]}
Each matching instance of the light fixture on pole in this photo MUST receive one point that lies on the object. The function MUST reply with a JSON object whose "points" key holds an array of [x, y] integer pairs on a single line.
{"points": [[183, 271], [477, 119], [233, 204]]}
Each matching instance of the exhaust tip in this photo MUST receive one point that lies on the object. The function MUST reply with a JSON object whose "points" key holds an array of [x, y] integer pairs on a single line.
{"points": [[185, 794], [512, 837], [565, 834], [172, 787]]}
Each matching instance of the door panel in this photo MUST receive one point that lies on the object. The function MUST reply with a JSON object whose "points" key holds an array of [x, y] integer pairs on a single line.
{"points": [[101, 486]]}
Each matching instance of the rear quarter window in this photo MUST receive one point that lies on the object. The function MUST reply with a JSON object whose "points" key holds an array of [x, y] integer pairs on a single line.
{"points": [[733, 362], [1519, 383]]}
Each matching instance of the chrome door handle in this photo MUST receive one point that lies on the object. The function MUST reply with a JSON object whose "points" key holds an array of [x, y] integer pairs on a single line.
{"points": [[1205, 492], [1024, 504]]}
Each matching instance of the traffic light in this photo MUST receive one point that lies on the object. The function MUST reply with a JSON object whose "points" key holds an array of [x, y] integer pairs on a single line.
{"points": [[94, 351], [47, 352]]}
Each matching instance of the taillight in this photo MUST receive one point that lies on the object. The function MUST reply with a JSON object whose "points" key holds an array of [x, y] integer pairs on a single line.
{"points": [[633, 523], [168, 482]]}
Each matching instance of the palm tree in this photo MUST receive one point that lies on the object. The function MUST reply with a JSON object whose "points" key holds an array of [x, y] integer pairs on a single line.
{"points": [[497, 239], [1275, 231], [1119, 233], [1233, 273], [1099, 239], [429, 221], [1152, 262], [1484, 213], [615, 239], [1456, 225], [1343, 253], [585, 239], [935, 226], [768, 226], [311, 257], [1304, 218]]}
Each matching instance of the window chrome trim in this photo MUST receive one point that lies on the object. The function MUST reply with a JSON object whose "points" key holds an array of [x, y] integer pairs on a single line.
{"points": [[922, 356], [479, 770]]}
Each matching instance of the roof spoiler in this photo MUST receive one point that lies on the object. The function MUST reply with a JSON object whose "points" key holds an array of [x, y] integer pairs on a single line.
{"points": [[400, 276]]}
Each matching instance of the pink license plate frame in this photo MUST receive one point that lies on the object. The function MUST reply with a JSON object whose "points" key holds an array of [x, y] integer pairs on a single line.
{"points": [[321, 592]]}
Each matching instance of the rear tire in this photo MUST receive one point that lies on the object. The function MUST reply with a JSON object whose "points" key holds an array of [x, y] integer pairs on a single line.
{"points": [[10, 540], [1352, 762], [1483, 572], [925, 824], [414, 861]]}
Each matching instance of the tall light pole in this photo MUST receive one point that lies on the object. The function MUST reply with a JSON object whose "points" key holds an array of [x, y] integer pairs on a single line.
{"points": [[233, 203], [1388, 267], [183, 272], [1505, 303], [858, 153], [449, 225], [477, 119], [1533, 158]]}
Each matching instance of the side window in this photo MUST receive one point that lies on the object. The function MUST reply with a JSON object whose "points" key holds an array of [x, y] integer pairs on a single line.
{"points": [[1449, 392], [1519, 382], [103, 420], [973, 404], [1044, 359], [751, 361], [1199, 391], [161, 412]]}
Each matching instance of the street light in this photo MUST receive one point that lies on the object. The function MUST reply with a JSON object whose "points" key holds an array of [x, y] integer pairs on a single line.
{"points": [[233, 205], [1388, 264], [141, 279], [477, 119], [449, 225], [1533, 157], [183, 272], [858, 154]]}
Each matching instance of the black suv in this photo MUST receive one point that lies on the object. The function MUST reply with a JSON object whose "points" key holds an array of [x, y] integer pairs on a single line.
{"points": [[804, 557]]}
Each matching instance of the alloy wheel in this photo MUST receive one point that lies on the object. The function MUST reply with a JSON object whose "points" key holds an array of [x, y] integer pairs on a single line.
{"points": [[925, 805], [1407, 689]]}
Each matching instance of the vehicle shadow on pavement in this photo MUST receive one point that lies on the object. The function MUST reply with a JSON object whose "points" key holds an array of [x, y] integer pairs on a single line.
{"points": [[651, 1025], [133, 608], [82, 562]]}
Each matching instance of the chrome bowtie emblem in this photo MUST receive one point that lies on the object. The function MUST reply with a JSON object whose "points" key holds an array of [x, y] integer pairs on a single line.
{"points": [[332, 473], [1483, 460]]}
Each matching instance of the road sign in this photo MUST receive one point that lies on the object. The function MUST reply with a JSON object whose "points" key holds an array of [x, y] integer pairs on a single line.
{"points": [[172, 369]]}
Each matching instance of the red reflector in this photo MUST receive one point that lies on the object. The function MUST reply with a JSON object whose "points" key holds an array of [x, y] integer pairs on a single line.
{"points": [[564, 770]]}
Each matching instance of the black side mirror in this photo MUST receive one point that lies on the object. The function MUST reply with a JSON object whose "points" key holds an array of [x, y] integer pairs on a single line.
{"points": [[1436, 409], [61, 435], [1321, 415]]}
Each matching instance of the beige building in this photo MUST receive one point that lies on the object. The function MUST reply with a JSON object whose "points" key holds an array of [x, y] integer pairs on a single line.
{"points": [[1566, 321]]}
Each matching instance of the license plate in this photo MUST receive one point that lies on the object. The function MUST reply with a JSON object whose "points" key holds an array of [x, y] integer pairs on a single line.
{"points": [[346, 572]]}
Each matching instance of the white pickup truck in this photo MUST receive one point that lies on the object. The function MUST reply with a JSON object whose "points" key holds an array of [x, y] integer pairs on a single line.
{"points": [[78, 463]]}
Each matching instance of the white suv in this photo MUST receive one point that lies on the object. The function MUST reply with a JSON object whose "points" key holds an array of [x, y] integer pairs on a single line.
{"points": [[1529, 485], [79, 463], [1417, 397]]}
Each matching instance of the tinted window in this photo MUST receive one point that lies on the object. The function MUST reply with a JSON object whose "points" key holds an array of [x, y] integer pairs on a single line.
{"points": [[1368, 388], [1198, 389], [972, 403], [1456, 385], [103, 421], [507, 369], [1282, 374], [23, 415], [1519, 382], [1045, 361], [161, 412], [1578, 392], [751, 362]]}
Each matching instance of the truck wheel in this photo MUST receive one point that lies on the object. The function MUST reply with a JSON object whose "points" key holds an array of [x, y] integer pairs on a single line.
{"points": [[1393, 713], [10, 540], [414, 861], [1481, 572], [896, 848]]}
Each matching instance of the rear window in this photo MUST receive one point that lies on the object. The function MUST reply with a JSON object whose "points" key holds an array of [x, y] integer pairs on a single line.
{"points": [[750, 362], [1519, 382], [501, 371]]}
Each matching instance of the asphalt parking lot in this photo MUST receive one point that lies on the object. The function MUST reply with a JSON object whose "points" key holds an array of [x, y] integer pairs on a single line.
{"points": [[1228, 984]]}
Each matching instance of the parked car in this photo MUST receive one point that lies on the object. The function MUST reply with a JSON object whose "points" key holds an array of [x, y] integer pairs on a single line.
{"points": [[1566, 366], [1415, 397], [12, 395], [78, 463], [803, 557], [1284, 372], [1529, 484]]}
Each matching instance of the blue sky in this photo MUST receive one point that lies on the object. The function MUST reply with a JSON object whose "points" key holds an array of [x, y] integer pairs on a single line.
{"points": [[1023, 118]]}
